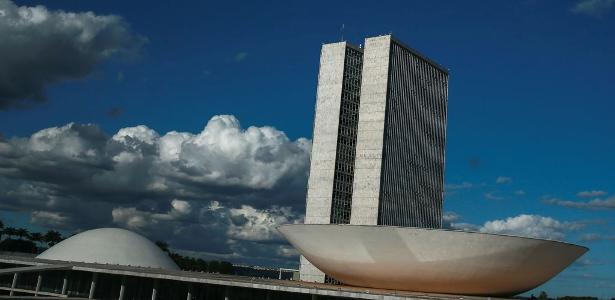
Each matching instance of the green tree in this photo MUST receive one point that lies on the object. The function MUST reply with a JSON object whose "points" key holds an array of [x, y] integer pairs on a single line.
{"points": [[52, 237], [226, 267], [543, 296], [1, 229], [14, 245], [21, 233], [36, 237], [163, 246], [10, 231], [194, 264], [214, 266]]}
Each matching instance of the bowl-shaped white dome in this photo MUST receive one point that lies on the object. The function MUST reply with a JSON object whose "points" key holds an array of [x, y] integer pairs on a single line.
{"points": [[110, 246], [431, 260]]}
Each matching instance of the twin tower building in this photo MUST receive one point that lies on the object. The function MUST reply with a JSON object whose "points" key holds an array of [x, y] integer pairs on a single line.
{"points": [[379, 137]]}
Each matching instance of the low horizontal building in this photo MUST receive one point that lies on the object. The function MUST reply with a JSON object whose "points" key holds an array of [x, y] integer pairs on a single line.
{"points": [[28, 276], [113, 263]]}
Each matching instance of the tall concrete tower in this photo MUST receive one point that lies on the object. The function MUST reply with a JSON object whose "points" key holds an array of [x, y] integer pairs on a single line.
{"points": [[329, 192], [379, 138], [399, 165]]}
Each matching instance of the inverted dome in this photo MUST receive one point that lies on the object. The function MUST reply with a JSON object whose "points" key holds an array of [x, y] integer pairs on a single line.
{"points": [[431, 260], [112, 246]]}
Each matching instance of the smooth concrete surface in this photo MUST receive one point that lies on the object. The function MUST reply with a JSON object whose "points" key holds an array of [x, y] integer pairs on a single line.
{"points": [[326, 124], [431, 260], [324, 145], [113, 246], [370, 132]]}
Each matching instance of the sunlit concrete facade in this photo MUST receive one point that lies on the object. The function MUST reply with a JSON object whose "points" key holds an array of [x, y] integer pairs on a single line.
{"points": [[335, 124], [329, 192], [399, 166], [379, 137]]}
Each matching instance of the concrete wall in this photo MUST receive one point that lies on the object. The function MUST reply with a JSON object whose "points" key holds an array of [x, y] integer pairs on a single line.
{"points": [[403, 98], [324, 145], [399, 164], [368, 161]]}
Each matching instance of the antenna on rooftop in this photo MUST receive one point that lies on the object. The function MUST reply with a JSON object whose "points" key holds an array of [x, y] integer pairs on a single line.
{"points": [[342, 33]]}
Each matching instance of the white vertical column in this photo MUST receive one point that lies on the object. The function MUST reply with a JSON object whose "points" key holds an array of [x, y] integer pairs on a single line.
{"points": [[64, 284], [39, 279], [155, 289], [122, 289], [227, 292], [189, 293], [14, 284], [93, 285]]}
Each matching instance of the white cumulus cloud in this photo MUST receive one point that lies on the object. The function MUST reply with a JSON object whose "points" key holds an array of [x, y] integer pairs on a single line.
{"points": [[228, 183], [530, 226], [249, 223], [534, 226]]}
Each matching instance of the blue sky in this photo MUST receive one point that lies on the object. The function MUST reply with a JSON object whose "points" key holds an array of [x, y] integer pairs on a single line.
{"points": [[531, 98]]}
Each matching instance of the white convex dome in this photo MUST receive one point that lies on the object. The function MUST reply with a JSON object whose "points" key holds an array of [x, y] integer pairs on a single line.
{"points": [[112, 246]]}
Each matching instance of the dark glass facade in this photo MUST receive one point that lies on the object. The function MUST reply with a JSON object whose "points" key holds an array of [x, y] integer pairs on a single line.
{"points": [[412, 180], [341, 201]]}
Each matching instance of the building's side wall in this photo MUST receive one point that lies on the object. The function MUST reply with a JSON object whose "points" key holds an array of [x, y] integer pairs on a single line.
{"points": [[366, 187], [415, 129], [324, 145]]}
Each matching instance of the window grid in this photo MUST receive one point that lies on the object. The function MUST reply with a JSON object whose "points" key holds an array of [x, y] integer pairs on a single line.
{"points": [[341, 202], [413, 164]]}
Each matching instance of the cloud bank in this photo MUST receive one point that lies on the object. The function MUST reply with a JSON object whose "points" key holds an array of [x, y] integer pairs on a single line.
{"points": [[593, 8], [219, 192], [598, 203], [591, 194], [534, 226], [531, 226], [594, 199], [40, 47]]}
